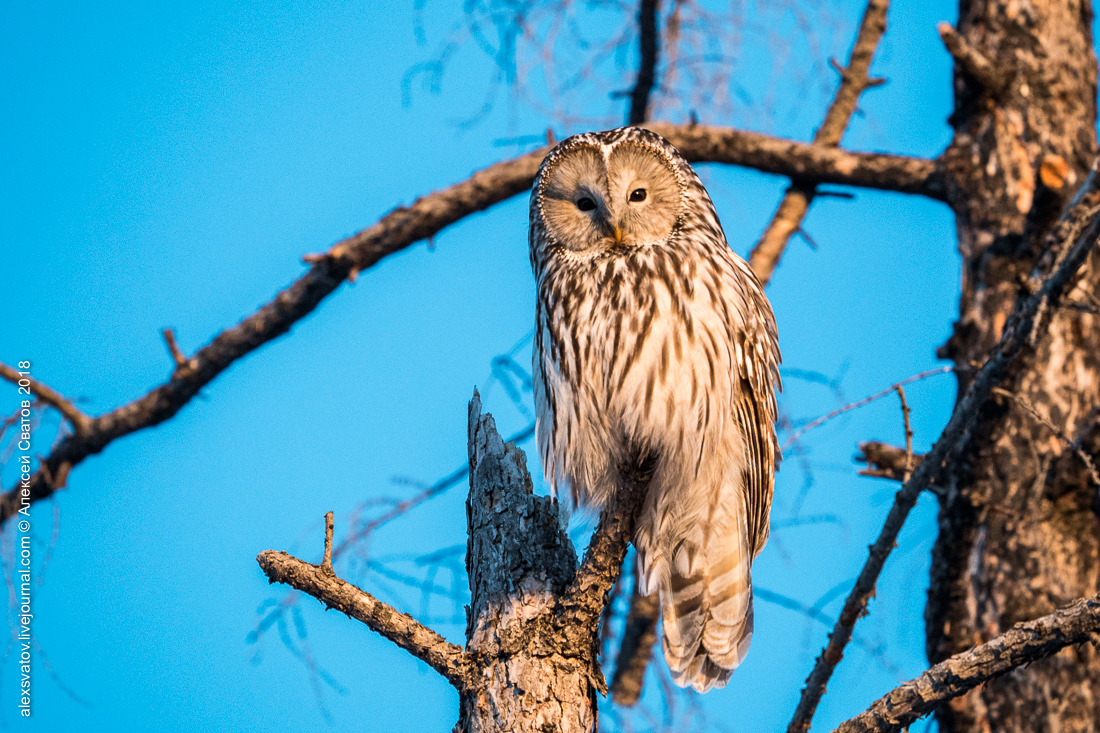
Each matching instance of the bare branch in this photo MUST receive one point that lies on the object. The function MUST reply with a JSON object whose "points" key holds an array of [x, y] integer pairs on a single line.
{"points": [[76, 418], [1022, 644], [970, 60], [321, 582], [1017, 337], [648, 11], [796, 201], [635, 649], [907, 470], [426, 217], [173, 348], [887, 461]]}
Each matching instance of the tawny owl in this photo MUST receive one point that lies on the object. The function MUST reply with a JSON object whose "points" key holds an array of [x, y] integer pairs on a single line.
{"points": [[654, 342]]}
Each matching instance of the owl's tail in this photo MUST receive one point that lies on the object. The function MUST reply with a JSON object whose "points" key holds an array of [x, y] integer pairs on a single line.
{"points": [[706, 604]]}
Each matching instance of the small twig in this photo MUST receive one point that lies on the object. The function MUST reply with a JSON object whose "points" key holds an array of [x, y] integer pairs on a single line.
{"points": [[1073, 445], [173, 347], [76, 418], [865, 401], [326, 564], [1023, 644], [321, 582], [908, 470], [970, 59]]}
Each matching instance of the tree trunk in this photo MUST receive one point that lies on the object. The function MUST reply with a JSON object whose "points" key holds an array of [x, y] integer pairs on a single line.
{"points": [[1019, 523], [534, 675]]}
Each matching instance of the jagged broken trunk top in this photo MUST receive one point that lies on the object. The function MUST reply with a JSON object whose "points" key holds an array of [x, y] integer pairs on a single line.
{"points": [[532, 675]]}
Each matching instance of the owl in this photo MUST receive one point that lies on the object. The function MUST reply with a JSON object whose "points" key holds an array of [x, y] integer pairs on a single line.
{"points": [[655, 347]]}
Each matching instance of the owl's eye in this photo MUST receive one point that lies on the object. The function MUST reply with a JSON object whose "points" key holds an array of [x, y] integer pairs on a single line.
{"points": [[586, 204], [637, 195]]}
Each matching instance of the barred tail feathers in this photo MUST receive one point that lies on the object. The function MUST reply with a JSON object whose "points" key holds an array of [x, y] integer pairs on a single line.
{"points": [[706, 604]]}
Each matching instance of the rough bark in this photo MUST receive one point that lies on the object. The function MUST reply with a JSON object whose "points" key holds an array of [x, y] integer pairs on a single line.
{"points": [[520, 561], [1019, 537], [1023, 644]]}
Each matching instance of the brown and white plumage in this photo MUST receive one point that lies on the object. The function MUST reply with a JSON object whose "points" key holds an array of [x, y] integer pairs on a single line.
{"points": [[654, 342]]}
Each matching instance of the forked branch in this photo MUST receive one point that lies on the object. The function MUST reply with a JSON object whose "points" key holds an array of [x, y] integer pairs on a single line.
{"points": [[320, 581]]}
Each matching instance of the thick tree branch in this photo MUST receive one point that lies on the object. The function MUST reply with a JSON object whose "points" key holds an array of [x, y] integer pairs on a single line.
{"points": [[648, 49], [1019, 334], [425, 218], [1022, 644], [796, 201], [76, 418], [321, 582]]}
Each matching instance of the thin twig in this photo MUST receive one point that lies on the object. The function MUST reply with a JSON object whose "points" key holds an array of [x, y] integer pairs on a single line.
{"points": [[854, 80], [76, 418], [173, 347], [865, 401], [1073, 445], [326, 564], [321, 582], [1023, 644], [908, 470], [1016, 336], [427, 217]]}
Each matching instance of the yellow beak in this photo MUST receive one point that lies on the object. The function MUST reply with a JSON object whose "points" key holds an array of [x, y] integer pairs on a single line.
{"points": [[618, 234]]}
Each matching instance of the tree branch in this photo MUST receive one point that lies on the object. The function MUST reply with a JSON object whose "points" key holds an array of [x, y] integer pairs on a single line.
{"points": [[648, 48], [885, 461], [1022, 644], [796, 201], [425, 218], [970, 60], [76, 418], [636, 648], [321, 582], [1019, 334]]}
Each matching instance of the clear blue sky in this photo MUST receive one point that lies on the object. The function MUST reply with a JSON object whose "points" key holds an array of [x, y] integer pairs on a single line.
{"points": [[169, 166]]}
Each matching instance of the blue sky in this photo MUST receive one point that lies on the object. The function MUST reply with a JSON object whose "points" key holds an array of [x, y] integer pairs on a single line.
{"points": [[168, 166]]}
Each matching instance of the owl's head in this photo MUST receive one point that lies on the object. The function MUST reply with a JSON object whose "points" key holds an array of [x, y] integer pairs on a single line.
{"points": [[609, 190]]}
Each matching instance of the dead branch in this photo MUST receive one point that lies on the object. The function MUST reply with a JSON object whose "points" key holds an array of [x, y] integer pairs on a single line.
{"points": [[1017, 336], [321, 582], [1023, 644], [886, 461], [971, 60], [68, 410], [854, 80], [648, 11]]}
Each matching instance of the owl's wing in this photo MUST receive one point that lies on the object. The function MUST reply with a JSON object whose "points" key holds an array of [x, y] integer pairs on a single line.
{"points": [[758, 477]]}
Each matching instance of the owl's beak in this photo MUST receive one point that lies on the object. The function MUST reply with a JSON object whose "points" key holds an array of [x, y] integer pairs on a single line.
{"points": [[618, 234]]}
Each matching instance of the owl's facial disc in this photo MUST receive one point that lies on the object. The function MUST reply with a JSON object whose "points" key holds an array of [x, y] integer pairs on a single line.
{"points": [[645, 194], [632, 198]]}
